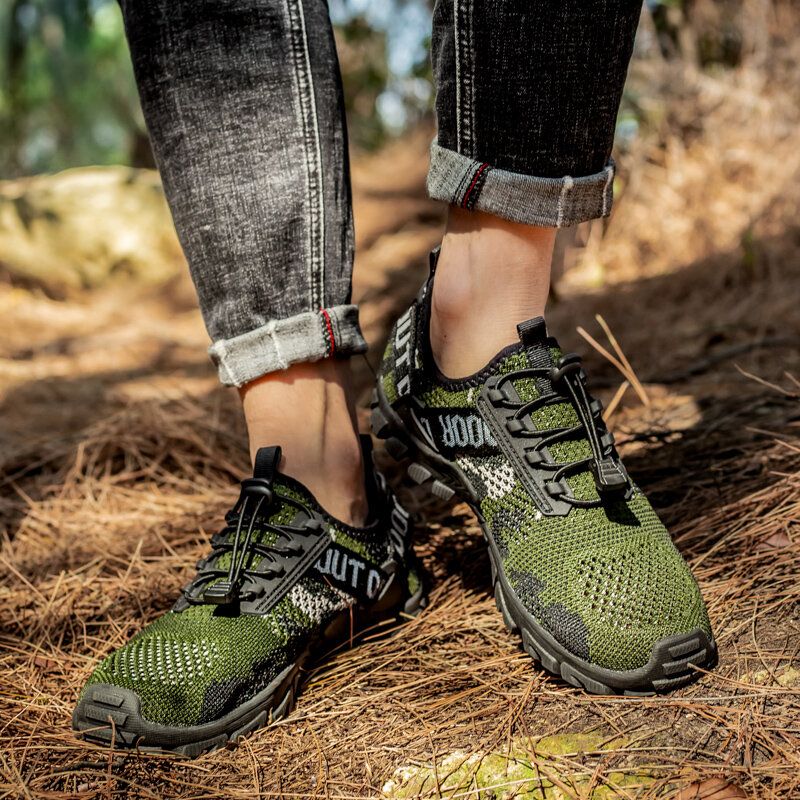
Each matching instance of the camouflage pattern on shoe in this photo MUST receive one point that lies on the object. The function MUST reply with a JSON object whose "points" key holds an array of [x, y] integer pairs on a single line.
{"points": [[284, 583], [583, 568]]}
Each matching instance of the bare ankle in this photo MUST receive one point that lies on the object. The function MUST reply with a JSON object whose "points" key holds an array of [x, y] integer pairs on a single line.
{"points": [[492, 274], [308, 410]]}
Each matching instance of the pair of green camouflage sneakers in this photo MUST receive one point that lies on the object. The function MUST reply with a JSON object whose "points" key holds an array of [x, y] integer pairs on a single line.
{"points": [[583, 569]]}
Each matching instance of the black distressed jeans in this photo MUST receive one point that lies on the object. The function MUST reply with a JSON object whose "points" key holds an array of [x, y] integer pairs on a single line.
{"points": [[243, 102]]}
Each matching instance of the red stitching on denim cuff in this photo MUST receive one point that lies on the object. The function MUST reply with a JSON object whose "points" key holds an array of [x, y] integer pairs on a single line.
{"points": [[326, 318], [475, 178]]}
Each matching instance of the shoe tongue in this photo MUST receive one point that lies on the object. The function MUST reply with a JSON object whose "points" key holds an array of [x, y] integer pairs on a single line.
{"points": [[265, 468]]}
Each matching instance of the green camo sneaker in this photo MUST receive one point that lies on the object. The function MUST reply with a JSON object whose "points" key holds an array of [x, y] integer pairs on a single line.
{"points": [[582, 567], [284, 584]]}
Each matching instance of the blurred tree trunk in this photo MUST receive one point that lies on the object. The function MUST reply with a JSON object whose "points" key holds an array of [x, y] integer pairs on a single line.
{"points": [[141, 152], [15, 69]]}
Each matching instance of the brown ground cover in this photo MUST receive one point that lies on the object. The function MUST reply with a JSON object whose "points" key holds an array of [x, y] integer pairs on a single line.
{"points": [[118, 456]]}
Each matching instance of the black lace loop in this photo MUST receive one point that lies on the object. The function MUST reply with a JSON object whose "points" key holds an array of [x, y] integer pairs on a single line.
{"points": [[568, 382], [216, 586]]}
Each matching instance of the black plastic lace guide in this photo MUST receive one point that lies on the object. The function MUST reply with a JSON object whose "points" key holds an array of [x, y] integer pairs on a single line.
{"points": [[608, 473]]}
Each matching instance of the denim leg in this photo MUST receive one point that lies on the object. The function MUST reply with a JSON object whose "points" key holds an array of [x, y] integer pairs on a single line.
{"points": [[243, 102], [527, 100]]}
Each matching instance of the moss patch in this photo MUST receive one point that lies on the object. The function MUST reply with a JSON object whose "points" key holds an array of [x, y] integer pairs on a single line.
{"points": [[787, 676], [550, 768]]}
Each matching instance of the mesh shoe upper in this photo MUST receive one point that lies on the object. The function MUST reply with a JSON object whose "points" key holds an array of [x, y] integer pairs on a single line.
{"points": [[603, 577], [201, 660]]}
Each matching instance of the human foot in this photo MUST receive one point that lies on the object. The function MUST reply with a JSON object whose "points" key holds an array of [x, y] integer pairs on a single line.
{"points": [[284, 584], [583, 568], [308, 411], [490, 274]]}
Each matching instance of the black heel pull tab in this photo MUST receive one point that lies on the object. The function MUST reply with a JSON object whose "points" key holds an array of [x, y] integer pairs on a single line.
{"points": [[433, 259], [532, 331], [267, 461]]}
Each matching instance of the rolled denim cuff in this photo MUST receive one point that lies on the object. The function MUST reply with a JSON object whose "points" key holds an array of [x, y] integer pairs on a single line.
{"points": [[548, 202], [308, 336]]}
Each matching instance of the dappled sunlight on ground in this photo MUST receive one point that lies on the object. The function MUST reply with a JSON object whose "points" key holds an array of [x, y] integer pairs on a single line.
{"points": [[119, 453]]}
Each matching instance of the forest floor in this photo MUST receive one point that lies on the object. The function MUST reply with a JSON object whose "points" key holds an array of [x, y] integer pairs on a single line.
{"points": [[119, 454]]}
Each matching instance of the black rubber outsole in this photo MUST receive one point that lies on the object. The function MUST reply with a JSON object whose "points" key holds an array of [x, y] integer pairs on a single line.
{"points": [[675, 661], [111, 716]]}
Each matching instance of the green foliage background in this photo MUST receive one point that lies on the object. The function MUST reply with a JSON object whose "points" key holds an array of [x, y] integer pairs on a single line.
{"points": [[68, 98], [67, 94]]}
